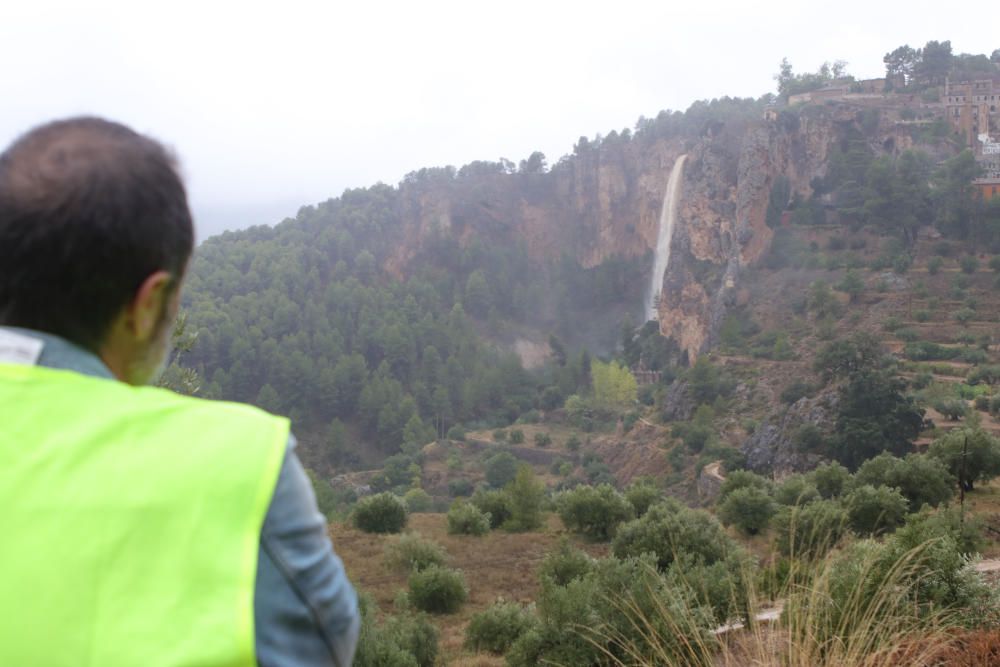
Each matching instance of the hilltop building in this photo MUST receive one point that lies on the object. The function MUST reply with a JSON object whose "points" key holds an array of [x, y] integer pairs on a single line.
{"points": [[972, 107]]}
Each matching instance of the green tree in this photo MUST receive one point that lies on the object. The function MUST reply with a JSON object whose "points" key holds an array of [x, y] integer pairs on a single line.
{"points": [[875, 510], [614, 386], [921, 479], [526, 494], [593, 511], [500, 469], [749, 509], [874, 416], [970, 454]]}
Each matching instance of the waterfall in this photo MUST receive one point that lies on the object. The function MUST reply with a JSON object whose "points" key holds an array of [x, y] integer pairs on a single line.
{"points": [[668, 215]]}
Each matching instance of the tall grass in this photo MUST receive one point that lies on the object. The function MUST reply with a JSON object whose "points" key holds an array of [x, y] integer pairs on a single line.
{"points": [[865, 605]]}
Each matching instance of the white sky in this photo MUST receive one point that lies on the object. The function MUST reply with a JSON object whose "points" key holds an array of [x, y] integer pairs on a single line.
{"points": [[273, 105]]}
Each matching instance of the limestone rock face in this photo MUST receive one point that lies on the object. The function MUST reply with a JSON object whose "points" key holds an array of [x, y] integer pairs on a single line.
{"points": [[772, 446], [605, 201]]}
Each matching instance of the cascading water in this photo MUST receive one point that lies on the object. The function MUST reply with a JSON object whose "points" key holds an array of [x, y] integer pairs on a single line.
{"points": [[668, 214]]}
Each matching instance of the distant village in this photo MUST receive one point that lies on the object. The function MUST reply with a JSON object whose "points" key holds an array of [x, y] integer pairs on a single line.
{"points": [[971, 108]]}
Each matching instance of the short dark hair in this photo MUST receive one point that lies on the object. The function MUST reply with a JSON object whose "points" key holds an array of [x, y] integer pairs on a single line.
{"points": [[88, 210]]}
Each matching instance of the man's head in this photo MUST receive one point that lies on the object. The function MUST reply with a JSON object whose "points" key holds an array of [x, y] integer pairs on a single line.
{"points": [[95, 235]]}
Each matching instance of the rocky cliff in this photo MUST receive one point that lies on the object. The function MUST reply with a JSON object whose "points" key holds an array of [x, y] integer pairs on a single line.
{"points": [[605, 200]]}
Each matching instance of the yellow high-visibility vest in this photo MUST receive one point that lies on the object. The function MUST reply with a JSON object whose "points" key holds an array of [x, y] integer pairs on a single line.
{"points": [[130, 522]]}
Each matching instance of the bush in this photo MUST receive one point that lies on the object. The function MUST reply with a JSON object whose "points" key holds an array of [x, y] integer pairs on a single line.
{"points": [[831, 479], [995, 263], [934, 265], [543, 439], [565, 564], [951, 408], [796, 390], [494, 503], [642, 495], [400, 641], [749, 509], [500, 469], [456, 432], [497, 627], [695, 436], [739, 479], [516, 436], [412, 552], [499, 435], [795, 490], [573, 443], [984, 374], [669, 529], [964, 315], [969, 264], [438, 590], [875, 510], [811, 530], [418, 500], [921, 479], [466, 519], [459, 487], [380, 513], [593, 511]]}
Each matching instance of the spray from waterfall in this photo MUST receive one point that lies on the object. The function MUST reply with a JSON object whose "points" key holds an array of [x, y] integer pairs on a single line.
{"points": [[668, 215]]}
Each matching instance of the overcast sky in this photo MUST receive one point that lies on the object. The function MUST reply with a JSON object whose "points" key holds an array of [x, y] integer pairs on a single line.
{"points": [[274, 105]]}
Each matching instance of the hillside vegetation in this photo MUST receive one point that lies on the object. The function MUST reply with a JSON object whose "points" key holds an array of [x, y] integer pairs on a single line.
{"points": [[519, 472]]}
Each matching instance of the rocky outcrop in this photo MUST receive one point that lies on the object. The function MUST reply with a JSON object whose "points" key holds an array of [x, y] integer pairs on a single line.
{"points": [[774, 445], [605, 201]]}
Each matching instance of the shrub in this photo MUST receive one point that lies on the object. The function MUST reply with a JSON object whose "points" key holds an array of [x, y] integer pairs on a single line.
{"points": [[951, 408], [749, 509], [934, 265], [526, 494], [400, 641], [964, 315], [669, 529], [498, 626], [995, 263], [808, 438], [565, 564], [921, 479], [459, 487], [875, 510], [795, 490], [500, 469], [466, 519], [984, 374], [413, 552], [499, 435], [456, 432], [516, 436], [573, 443], [922, 316], [530, 417], [969, 264], [809, 531], [438, 590], [494, 503], [543, 439], [418, 500], [695, 436], [739, 479], [796, 390], [642, 495], [831, 479], [593, 511], [969, 454], [380, 513]]}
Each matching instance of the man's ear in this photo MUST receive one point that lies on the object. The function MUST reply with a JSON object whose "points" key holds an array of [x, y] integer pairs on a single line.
{"points": [[142, 317]]}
